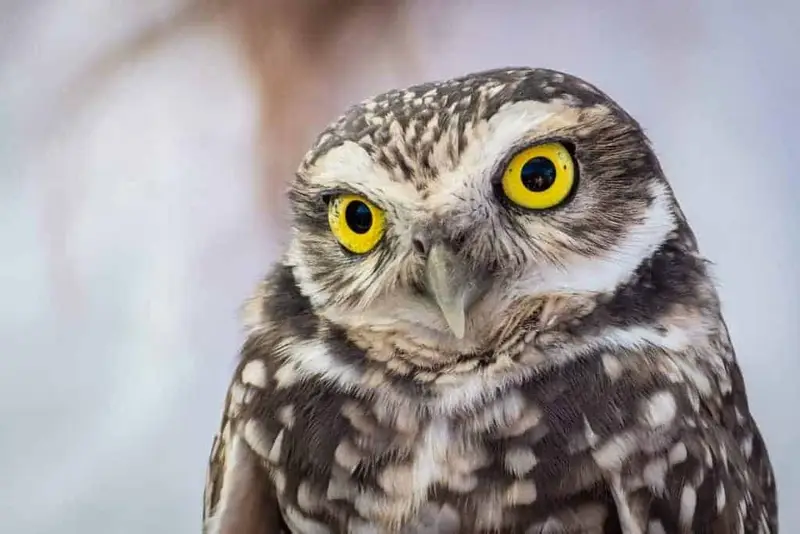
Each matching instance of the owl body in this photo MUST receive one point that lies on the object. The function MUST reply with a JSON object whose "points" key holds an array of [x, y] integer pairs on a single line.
{"points": [[492, 317]]}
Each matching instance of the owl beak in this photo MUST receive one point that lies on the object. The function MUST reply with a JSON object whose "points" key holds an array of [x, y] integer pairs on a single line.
{"points": [[451, 286]]}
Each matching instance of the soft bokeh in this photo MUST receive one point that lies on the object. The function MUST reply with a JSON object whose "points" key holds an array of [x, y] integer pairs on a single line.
{"points": [[130, 231]]}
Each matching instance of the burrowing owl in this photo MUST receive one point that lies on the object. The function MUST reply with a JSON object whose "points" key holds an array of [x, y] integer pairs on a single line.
{"points": [[492, 317]]}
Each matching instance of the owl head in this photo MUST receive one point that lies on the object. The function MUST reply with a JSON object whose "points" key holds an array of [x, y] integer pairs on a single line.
{"points": [[441, 209]]}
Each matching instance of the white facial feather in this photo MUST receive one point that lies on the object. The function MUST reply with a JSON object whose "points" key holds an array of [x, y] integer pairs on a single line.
{"points": [[295, 258], [350, 167], [600, 274]]}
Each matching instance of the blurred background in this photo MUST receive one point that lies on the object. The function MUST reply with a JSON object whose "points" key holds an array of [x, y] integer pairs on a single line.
{"points": [[143, 151]]}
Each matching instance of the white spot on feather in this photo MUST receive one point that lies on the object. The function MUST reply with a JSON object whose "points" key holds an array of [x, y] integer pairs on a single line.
{"points": [[236, 471], [612, 366], [254, 373], [660, 409], [430, 455], [695, 376], [655, 474], [615, 451], [257, 438], [721, 498], [311, 358], [520, 461], [521, 492], [678, 454], [297, 522], [688, 504], [747, 446], [237, 393], [627, 521], [275, 451]]}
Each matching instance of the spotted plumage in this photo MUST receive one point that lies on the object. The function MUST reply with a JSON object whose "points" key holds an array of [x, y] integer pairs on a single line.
{"points": [[485, 367]]}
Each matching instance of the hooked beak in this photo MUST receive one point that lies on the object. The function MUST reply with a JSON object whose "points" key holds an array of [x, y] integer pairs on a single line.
{"points": [[452, 286]]}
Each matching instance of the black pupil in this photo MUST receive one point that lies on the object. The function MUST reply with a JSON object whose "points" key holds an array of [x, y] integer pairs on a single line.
{"points": [[358, 217], [538, 174]]}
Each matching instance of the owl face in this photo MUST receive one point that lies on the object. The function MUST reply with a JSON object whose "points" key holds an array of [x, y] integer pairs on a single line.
{"points": [[442, 208]]}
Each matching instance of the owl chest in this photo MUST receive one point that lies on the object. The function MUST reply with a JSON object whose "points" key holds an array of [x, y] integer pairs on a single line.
{"points": [[381, 478], [403, 462], [371, 467]]}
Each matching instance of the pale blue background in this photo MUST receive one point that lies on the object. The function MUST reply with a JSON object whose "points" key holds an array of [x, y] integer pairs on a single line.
{"points": [[129, 234]]}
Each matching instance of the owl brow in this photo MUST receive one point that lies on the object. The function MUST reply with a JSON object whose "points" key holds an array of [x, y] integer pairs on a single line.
{"points": [[326, 195]]}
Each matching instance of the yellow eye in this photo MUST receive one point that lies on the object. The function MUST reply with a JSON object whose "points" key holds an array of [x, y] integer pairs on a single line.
{"points": [[356, 222], [540, 177]]}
